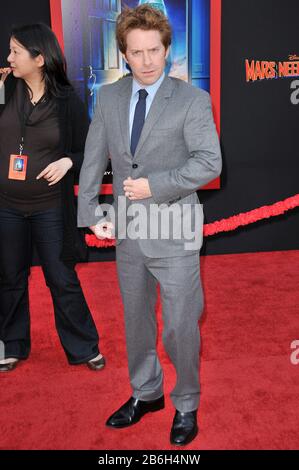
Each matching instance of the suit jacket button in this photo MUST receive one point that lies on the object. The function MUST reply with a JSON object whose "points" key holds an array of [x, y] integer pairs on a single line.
{"points": [[135, 166]]}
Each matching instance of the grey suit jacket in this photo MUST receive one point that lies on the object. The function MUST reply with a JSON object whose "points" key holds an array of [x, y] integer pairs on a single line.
{"points": [[178, 152]]}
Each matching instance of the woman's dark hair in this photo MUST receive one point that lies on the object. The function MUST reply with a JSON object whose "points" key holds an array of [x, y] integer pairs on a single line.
{"points": [[40, 39]]}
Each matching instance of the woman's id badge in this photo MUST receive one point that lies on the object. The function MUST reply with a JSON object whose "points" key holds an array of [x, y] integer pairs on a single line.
{"points": [[18, 167]]}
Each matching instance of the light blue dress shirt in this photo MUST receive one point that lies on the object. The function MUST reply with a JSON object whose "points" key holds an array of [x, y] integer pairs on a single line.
{"points": [[151, 89]]}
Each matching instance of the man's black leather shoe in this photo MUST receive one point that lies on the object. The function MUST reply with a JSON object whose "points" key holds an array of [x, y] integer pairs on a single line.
{"points": [[132, 411], [184, 428]]}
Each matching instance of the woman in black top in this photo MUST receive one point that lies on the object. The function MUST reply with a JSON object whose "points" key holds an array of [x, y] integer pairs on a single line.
{"points": [[43, 127]]}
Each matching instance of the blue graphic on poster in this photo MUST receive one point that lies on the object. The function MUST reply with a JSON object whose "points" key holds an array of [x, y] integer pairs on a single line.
{"points": [[93, 57]]}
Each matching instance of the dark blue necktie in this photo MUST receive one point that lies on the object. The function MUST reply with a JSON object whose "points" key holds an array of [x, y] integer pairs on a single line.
{"points": [[139, 118]]}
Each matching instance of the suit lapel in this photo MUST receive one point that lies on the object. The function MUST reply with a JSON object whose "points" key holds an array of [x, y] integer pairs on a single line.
{"points": [[158, 105], [124, 113]]}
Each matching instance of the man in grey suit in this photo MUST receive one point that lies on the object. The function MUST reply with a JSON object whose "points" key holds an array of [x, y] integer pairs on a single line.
{"points": [[160, 135]]}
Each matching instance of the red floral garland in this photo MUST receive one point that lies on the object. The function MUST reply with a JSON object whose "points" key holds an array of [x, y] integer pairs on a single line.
{"points": [[224, 225]]}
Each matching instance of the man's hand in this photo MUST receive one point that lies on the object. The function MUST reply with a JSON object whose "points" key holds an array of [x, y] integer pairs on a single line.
{"points": [[138, 189], [56, 170], [103, 230]]}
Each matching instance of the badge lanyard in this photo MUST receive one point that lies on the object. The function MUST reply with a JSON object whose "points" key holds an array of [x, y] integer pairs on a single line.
{"points": [[23, 118], [18, 163]]}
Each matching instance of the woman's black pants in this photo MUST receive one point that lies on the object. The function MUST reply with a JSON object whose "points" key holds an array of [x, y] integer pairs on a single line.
{"points": [[74, 323]]}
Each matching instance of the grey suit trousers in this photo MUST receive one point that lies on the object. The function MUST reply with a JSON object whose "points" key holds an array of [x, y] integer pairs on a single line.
{"points": [[182, 304]]}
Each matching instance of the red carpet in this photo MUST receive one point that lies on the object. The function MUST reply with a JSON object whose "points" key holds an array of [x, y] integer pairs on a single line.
{"points": [[250, 389]]}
